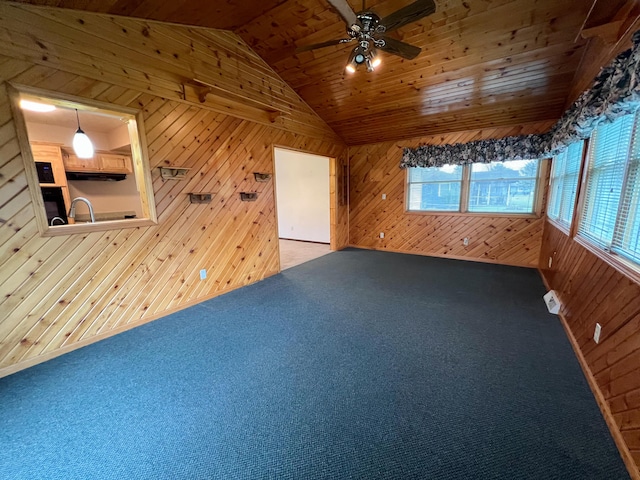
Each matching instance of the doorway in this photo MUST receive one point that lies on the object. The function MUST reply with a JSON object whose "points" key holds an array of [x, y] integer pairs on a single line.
{"points": [[303, 204]]}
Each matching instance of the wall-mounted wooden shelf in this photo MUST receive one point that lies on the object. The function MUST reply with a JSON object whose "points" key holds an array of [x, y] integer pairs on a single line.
{"points": [[268, 109], [261, 177], [200, 197], [248, 196], [174, 173]]}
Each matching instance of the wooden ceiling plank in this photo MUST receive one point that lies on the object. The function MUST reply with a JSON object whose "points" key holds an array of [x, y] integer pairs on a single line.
{"points": [[146, 59], [502, 50]]}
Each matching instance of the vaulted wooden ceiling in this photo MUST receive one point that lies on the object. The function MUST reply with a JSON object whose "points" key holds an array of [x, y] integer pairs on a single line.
{"points": [[484, 63]]}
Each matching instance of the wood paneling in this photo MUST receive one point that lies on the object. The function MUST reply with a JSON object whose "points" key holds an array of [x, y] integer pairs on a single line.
{"points": [[166, 61], [58, 293], [374, 170], [598, 53], [591, 291], [219, 14], [484, 63]]}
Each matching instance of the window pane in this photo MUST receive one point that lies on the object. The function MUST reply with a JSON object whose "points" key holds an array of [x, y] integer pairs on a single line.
{"points": [[503, 187], [610, 145], [502, 196], [433, 174], [442, 196], [565, 168], [504, 170], [626, 239], [435, 188], [558, 165]]}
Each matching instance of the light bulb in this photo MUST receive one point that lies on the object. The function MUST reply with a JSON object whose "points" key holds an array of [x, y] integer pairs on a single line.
{"points": [[36, 107], [82, 145], [376, 61], [350, 68]]}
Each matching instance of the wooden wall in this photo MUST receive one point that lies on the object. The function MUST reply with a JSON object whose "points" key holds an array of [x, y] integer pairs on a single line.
{"points": [[58, 293], [374, 170], [591, 291]]}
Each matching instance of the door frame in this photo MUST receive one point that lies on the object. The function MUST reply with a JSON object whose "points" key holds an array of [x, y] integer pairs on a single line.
{"points": [[333, 197]]}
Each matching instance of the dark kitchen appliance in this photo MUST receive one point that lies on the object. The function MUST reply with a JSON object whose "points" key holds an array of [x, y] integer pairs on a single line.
{"points": [[54, 205], [45, 172]]}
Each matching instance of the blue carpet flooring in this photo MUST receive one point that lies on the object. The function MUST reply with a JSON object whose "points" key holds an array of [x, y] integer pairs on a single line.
{"points": [[357, 365]]}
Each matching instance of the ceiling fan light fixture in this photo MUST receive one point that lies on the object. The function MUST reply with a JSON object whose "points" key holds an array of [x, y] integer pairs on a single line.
{"points": [[373, 61], [369, 30], [356, 58]]}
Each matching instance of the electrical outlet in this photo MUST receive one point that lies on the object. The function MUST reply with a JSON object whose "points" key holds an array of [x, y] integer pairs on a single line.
{"points": [[596, 333], [381, 234], [550, 261], [384, 196], [465, 242], [203, 274]]}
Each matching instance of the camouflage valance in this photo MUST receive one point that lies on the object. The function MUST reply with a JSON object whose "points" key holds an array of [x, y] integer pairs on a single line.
{"points": [[614, 92]]}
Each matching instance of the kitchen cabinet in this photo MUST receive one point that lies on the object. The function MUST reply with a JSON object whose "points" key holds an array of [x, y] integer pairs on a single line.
{"points": [[51, 154], [101, 162], [113, 163]]}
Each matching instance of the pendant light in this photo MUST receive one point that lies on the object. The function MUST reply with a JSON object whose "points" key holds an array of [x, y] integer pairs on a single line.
{"points": [[81, 143]]}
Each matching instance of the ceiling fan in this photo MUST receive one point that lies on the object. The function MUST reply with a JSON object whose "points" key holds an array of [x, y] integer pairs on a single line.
{"points": [[368, 30]]}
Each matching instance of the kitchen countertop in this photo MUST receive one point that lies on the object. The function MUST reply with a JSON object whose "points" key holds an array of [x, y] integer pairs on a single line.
{"points": [[105, 216]]}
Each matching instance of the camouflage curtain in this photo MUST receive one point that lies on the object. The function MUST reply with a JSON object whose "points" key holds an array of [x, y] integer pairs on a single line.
{"points": [[614, 92]]}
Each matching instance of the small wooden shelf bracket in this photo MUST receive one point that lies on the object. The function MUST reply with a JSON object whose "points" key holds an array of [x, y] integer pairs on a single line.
{"points": [[174, 173], [200, 197], [202, 92], [248, 196], [274, 115], [261, 177]]}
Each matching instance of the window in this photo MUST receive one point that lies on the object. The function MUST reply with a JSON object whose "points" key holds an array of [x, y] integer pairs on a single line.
{"points": [[565, 169], [101, 184], [503, 187], [610, 217], [436, 188], [497, 187]]}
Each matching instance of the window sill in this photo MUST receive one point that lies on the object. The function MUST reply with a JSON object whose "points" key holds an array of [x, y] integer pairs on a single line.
{"points": [[80, 228], [625, 267], [560, 226], [470, 214]]}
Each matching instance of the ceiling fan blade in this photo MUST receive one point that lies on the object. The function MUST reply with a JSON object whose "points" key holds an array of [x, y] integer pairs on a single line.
{"points": [[345, 11], [306, 48], [396, 47], [408, 14]]}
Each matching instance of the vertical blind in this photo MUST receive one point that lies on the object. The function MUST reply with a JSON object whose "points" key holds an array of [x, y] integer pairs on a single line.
{"points": [[564, 183], [610, 211]]}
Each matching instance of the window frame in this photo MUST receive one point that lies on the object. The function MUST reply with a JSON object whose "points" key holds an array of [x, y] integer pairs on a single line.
{"points": [[538, 203], [624, 265], [139, 157], [568, 228]]}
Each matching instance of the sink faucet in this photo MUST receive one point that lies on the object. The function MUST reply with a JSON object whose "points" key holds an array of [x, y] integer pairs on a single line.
{"points": [[54, 219], [72, 210]]}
